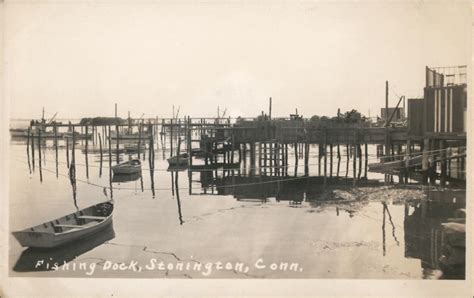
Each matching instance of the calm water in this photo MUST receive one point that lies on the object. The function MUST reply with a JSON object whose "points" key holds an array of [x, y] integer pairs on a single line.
{"points": [[272, 227]]}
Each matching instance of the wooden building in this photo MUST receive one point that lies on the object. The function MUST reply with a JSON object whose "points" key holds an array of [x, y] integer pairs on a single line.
{"points": [[443, 108]]}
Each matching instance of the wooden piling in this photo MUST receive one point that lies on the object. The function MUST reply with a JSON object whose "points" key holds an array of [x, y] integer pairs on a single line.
{"points": [[359, 151], [348, 159], [33, 149], [55, 129], [39, 155], [296, 159], [101, 155], [366, 165], [140, 128], [86, 151], [117, 143], [338, 159], [330, 160]]}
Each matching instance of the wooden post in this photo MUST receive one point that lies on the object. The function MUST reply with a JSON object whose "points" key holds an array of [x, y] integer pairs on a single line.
{"points": [[117, 143], [354, 164], [86, 152], [338, 159], [33, 149], [171, 137], [101, 155], [325, 147], [296, 159], [39, 155], [55, 128], [359, 151], [140, 128], [73, 159], [67, 152], [28, 148], [348, 159], [330, 160], [306, 159], [366, 166]]}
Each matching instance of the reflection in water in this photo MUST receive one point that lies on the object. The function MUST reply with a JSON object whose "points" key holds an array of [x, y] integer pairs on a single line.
{"points": [[36, 259], [72, 179], [119, 178], [424, 237], [178, 201]]}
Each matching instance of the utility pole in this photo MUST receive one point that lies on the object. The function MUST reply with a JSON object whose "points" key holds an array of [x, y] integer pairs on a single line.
{"points": [[115, 110]]}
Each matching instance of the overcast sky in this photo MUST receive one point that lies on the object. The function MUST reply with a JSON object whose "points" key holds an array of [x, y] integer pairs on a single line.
{"points": [[79, 58]]}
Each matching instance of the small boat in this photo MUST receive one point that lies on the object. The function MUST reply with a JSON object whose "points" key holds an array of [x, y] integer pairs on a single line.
{"points": [[128, 167], [77, 136], [178, 160], [66, 229], [134, 148]]}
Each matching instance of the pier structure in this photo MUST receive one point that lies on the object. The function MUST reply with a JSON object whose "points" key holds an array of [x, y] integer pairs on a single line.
{"points": [[430, 142]]}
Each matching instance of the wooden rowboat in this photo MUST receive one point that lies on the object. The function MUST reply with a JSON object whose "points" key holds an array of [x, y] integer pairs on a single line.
{"points": [[128, 167], [69, 228]]}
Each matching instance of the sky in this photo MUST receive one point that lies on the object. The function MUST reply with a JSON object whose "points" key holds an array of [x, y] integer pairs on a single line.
{"points": [[78, 58]]}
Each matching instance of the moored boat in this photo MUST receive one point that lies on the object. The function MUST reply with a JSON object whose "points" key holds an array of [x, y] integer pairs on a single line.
{"points": [[128, 167], [66, 229]]}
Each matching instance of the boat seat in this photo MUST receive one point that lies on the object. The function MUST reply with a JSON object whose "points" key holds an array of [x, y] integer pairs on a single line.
{"points": [[70, 226], [92, 217]]}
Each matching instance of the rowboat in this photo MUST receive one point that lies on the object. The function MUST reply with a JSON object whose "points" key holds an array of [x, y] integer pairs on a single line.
{"points": [[128, 167], [134, 148], [66, 229], [28, 260], [178, 160]]}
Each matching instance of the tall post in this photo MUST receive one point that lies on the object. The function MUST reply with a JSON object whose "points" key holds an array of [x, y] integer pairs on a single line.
{"points": [[330, 160], [325, 148], [55, 128], [101, 155], [386, 104], [39, 155], [33, 148], [140, 128], [86, 152], [338, 159], [366, 166], [348, 159], [117, 143]]}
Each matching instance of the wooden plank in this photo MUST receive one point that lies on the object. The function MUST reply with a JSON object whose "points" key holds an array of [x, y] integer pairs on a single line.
{"points": [[70, 226], [92, 217]]}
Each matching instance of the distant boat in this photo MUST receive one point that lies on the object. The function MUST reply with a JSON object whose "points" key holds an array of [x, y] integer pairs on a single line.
{"points": [[77, 136], [128, 167], [129, 136], [23, 133], [134, 148], [68, 228], [178, 160]]}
